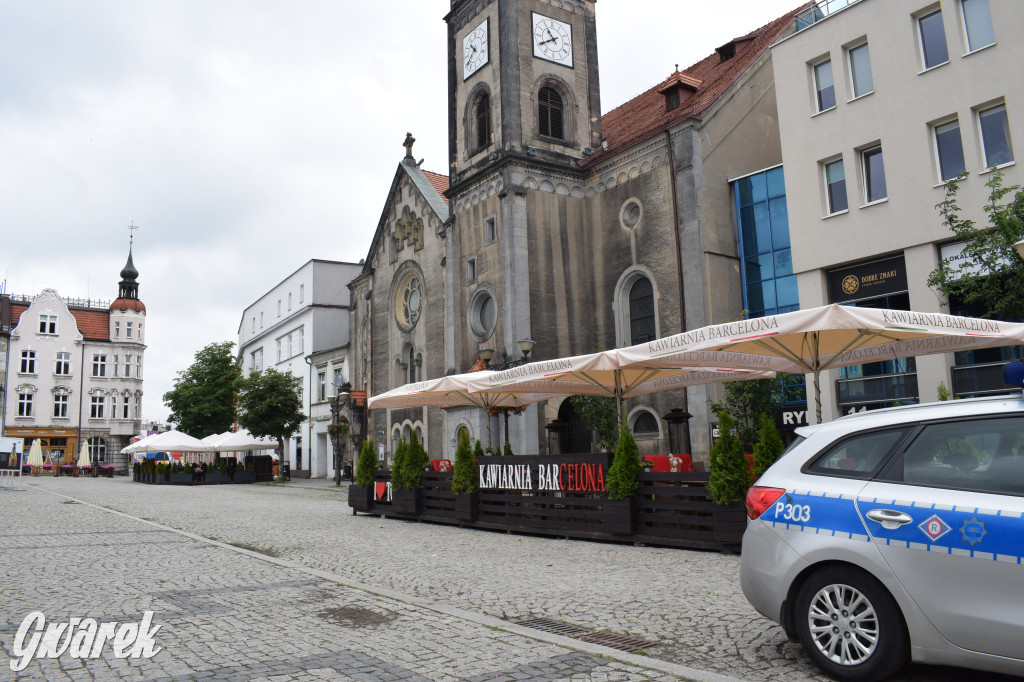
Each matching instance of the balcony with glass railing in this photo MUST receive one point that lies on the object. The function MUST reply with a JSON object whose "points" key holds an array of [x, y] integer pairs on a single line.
{"points": [[821, 10]]}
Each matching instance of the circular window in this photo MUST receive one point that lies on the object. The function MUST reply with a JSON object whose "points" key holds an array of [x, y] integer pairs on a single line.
{"points": [[631, 213], [408, 301], [483, 313]]}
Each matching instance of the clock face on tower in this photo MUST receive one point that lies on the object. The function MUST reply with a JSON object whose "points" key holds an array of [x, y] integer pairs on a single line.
{"points": [[474, 50], [552, 40]]}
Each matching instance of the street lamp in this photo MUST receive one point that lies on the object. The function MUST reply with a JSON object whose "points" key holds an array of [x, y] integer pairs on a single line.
{"points": [[525, 346], [339, 428]]}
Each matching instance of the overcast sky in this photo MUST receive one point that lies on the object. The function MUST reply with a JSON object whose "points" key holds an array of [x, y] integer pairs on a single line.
{"points": [[245, 137]]}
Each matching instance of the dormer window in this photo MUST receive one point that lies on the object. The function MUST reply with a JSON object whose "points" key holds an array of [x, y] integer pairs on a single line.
{"points": [[678, 88]]}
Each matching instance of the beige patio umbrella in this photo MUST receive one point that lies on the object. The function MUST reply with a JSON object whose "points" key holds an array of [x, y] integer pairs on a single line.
{"points": [[83, 455], [35, 454], [829, 337]]}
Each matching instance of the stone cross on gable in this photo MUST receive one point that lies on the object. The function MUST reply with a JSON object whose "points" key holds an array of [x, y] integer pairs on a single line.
{"points": [[409, 142]]}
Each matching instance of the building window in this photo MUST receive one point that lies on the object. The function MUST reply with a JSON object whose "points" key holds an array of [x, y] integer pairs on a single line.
{"points": [[140, 331], [490, 231], [470, 270], [949, 149], [933, 40], [550, 113], [97, 449], [279, 307], [256, 360], [339, 379], [63, 364], [127, 330], [113, 371], [261, 319], [253, 328], [769, 285], [483, 314], [47, 324], [60, 406], [645, 425], [127, 366], [995, 136], [482, 120], [408, 301], [99, 365], [117, 330], [289, 300], [280, 348], [860, 71], [24, 404], [96, 404], [138, 407], [321, 383], [302, 293], [977, 24], [125, 402], [824, 86], [835, 186], [641, 311], [28, 362], [298, 341], [138, 368], [874, 175]]}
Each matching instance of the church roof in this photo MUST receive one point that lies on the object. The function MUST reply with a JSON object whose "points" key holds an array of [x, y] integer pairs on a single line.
{"points": [[708, 80], [440, 183]]}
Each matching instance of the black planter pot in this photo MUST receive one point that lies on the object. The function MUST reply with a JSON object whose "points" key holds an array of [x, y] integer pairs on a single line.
{"points": [[619, 517], [467, 507], [217, 477], [245, 477], [360, 497], [181, 478], [408, 502]]}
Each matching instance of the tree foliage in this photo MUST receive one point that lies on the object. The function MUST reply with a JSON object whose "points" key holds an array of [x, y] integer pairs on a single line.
{"points": [[622, 482], [599, 415], [768, 447], [410, 461], [729, 478], [746, 401], [990, 276], [367, 464], [269, 405], [202, 401], [399, 477], [465, 473]]}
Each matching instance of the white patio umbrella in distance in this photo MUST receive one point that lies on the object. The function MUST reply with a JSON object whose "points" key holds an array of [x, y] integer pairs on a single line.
{"points": [[35, 454], [169, 441], [243, 441], [83, 456]]}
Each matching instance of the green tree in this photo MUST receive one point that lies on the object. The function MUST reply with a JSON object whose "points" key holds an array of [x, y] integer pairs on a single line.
{"points": [[599, 415], [768, 447], [746, 401], [202, 401], [401, 473], [729, 478], [990, 276], [465, 473], [367, 465], [478, 451], [508, 449], [622, 480], [269, 405]]}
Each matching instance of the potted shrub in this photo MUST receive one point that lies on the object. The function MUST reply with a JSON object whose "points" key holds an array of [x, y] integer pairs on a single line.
{"points": [[107, 470], [407, 476], [622, 484], [181, 473], [360, 493], [730, 477], [136, 467], [161, 473], [768, 446], [466, 481], [245, 473], [218, 473]]}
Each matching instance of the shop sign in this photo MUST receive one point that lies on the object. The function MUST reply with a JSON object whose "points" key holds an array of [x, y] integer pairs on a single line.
{"points": [[870, 280], [564, 476], [796, 415], [959, 264]]}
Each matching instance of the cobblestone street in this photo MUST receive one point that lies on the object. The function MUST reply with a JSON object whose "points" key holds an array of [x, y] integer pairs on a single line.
{"points": [[302, 589]]}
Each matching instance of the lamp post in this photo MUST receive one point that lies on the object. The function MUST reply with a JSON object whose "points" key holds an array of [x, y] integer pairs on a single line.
{"points": [[340, 402], [525, 346]]}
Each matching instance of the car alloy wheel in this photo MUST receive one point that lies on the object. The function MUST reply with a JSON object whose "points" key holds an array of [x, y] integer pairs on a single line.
{"points": [[850, 625]]}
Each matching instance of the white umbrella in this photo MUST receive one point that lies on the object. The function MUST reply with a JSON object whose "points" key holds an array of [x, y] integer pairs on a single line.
{"points": [[243, 441], [451, 390], [215, 438], [83, 455], [169, 441], [35, 454]]}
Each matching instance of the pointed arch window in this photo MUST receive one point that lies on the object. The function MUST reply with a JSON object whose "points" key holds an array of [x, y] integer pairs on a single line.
{"points": [[641, 311], [482, 120], [550, 113]]}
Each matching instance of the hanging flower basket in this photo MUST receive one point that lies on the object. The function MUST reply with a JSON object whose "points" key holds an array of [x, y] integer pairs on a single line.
{"points": [[500, 411]]}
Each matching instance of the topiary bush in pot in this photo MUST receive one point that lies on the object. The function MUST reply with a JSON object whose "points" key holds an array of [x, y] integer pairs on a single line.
{"points": [[466, 481], [622, 484]]}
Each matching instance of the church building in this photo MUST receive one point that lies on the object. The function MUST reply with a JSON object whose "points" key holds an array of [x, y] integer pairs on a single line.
{"points": [[559, 224]]}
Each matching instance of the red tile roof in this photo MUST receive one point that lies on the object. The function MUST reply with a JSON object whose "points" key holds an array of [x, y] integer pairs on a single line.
{"points": [[128, 304], [440, 183], [709, 79], [94, 324]]}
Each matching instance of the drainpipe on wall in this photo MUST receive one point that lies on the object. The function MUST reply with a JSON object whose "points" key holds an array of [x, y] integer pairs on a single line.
{"points": [[309, 417], [679, 277]]}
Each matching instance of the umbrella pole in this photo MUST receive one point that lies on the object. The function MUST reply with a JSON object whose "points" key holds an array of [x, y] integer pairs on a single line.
{"points": [[817, 395]]}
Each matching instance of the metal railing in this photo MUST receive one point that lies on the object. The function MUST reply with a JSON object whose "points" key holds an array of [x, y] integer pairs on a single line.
{"points": [[972, 381], [883, 388], [77, 302], [821, 10]]}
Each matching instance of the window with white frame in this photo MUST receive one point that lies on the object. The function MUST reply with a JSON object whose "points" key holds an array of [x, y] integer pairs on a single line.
{"points": [[138, 367], [289, 300], [25, 404], [60, 405], [96, 404], [99, 365], [995, 136], [127, 330], [824, 86], [949, 150], [253, 329], [97, 449], [261, 319], [835, 187], [933, 40], [281, 350], [977, 24], [302, 293], [127, 366], [339, 378], [113, 407], [279, 307], [125, 402], [113, 365], [256, 360], [860, 70], [321, 385], [47, 324], [298, 344], [874, 175], [140, 331], [117, 329], [138, 407], [28, 362], [62, 366]]}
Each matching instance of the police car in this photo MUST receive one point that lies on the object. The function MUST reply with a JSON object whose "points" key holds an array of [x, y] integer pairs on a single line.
{"points": [[896, 535]]}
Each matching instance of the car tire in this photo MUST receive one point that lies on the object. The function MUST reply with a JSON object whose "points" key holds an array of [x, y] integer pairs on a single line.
{"points": [[850, 625]]}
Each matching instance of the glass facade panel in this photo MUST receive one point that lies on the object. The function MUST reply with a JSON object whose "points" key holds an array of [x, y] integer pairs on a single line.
{"points": [[764, 242], [779, 217], [776, 184]]}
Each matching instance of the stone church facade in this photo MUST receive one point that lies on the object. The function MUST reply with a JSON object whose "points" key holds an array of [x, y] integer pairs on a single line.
{"points": [[579, 230]]}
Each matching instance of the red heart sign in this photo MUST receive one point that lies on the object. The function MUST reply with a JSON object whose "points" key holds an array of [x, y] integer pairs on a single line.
{"points": [[381, 489]]}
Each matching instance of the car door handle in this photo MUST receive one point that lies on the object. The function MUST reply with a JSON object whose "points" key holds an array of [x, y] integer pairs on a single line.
{"points": [[889, 518]]}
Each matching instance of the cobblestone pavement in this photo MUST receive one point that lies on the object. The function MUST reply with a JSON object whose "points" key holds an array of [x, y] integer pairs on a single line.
{"points": [[687, 601]]}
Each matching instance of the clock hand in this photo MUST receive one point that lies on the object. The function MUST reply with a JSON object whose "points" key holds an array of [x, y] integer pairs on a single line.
{"points": [[549, 40]]}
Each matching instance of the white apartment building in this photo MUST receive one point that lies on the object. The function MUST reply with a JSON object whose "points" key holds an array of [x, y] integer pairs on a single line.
{"points": [[880, 103], [75, 371], [303, 315]]}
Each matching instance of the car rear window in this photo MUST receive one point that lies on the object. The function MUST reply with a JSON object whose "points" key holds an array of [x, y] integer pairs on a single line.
{"points": [[859, 455]]}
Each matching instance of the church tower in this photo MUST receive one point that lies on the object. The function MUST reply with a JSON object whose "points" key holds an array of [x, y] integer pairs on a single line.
{"points": [[523, 84]]}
